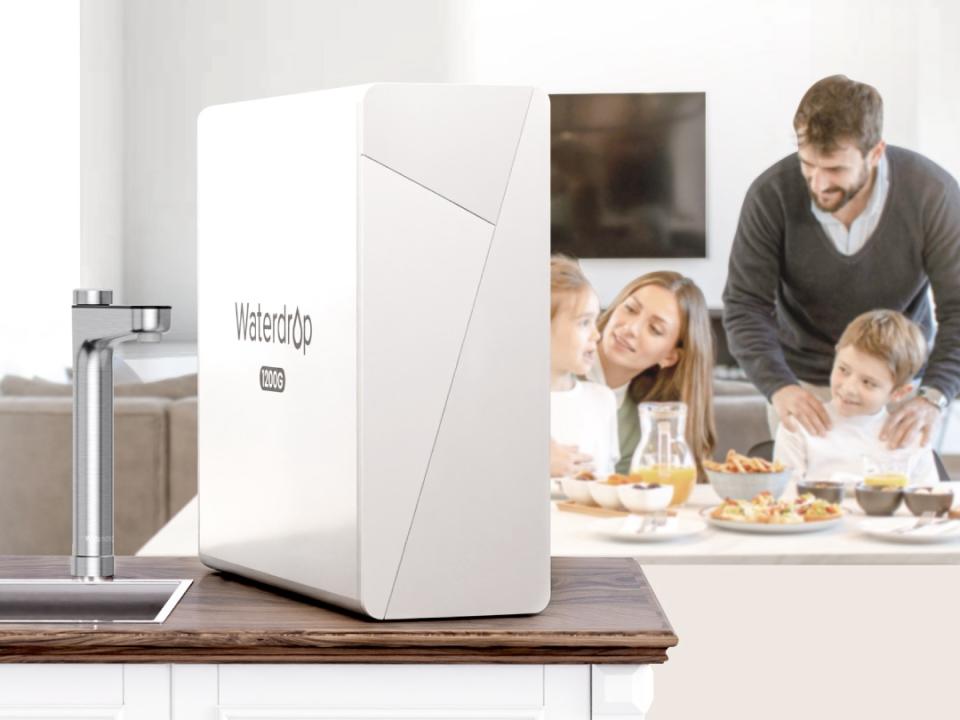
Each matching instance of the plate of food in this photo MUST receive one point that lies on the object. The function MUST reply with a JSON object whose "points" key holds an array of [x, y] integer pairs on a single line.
{"points": [[766, 514], [650, 528]]}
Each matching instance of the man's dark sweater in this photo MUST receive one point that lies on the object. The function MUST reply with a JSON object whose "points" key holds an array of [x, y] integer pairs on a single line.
{"points": [[790, 293]]}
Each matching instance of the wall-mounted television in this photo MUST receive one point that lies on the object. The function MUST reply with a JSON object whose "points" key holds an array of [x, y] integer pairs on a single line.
{"points": [[628, 175]]}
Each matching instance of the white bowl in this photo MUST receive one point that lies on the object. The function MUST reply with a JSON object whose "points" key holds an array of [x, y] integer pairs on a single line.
{"points": [[606, 495], [578, 490], [638, 498], [744, 486]]}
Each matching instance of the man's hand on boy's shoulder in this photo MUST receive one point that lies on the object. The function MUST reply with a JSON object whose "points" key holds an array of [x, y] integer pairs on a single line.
{"points": [[797, 408], [915, 417]]}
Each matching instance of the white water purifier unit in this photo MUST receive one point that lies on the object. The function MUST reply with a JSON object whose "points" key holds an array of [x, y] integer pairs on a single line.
{"points": [[374, 347]]}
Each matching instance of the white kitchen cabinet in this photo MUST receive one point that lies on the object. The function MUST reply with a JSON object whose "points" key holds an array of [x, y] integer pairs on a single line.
{"points": [[91, 692], [324, 692]]}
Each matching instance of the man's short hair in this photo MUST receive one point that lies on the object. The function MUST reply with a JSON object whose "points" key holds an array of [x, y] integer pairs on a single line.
{"points": [[890, 337], [838, 109]]}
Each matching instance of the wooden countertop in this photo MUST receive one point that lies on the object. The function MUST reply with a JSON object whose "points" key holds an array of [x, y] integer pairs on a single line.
{"points": [[602, 611]]}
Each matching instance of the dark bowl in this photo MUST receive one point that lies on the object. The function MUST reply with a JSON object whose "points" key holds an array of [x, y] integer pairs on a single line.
{"points": [[829, 491], [877, 500], [921, 499]]}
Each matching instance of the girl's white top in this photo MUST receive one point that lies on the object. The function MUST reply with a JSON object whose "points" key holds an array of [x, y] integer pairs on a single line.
{"points": [[586, 416]]}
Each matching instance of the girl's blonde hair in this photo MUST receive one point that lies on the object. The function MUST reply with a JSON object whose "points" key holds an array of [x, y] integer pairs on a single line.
{"points": [[690, 380], [566, 278]]}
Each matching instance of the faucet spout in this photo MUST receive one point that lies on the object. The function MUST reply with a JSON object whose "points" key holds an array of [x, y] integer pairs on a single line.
{"points": [[98, 327]]}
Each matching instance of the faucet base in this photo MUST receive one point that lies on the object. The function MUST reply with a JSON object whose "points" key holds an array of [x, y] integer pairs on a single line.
{"points": [[82, 566]]}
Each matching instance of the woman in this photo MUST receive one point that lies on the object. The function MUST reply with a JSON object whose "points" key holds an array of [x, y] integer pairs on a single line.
{"points": [[656, 346]]}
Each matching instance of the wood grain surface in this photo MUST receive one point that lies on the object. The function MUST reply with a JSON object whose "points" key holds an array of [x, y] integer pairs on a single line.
{"points": [[602, 610]]}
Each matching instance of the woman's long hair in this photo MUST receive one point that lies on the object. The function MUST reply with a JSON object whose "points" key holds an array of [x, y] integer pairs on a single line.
{"points": [[690, 380]]}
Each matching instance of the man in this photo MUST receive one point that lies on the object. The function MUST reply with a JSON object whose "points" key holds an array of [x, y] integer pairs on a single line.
{"points": [[843, 226]]}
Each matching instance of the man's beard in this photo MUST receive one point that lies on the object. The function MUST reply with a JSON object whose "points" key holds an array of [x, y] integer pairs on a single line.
{"points": [[848, 193]]}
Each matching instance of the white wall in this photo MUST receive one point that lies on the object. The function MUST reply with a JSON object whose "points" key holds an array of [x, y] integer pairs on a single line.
{"points": [[101, 144], [40, 252], [60, 182], [754, 59], [938, 84], [182, 55], [98, 155]]}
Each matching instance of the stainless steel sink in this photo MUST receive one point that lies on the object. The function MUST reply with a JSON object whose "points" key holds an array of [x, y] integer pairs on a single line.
{"points": [[75, 600]]}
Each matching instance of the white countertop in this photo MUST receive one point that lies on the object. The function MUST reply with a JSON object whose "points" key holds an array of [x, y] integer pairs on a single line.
{"points": [[573, 534]]}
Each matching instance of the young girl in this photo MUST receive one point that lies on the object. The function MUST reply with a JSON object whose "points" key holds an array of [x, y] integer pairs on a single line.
{"points": [[657, 346], [583, 415]]}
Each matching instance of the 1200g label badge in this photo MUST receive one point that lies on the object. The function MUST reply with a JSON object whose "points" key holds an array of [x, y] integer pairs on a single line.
{"points": [[272, 379]]}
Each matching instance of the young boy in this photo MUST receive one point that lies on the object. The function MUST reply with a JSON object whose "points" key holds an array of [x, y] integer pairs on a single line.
{"points": [[583, 415], [877, 356]]}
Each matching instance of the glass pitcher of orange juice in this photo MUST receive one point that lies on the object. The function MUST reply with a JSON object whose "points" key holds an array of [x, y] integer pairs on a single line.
{"points": [[663, 455]]}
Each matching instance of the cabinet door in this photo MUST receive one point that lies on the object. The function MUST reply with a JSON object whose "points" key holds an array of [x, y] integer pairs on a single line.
{"points": [[621, 691], [61, 691], [91, 692], [381, 692]]}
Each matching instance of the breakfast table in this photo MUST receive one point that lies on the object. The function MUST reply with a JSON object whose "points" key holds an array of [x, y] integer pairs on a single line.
{"points": [[840, 543], [581, 534]]}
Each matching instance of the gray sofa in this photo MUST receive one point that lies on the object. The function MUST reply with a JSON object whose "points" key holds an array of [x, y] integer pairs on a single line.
{"points": [[741, 415], [155, 462], [155, 456]]}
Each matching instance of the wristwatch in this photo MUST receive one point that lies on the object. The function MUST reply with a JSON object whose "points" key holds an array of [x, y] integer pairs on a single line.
{"points": [[933, 396]]}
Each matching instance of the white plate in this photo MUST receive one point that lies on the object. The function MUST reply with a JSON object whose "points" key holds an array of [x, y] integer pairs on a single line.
{"points": [[772, 528], [885, 528], [628, 529]]}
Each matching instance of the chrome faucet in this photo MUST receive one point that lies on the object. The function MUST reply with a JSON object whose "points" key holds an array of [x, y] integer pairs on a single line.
{"points": [[99, 326]]}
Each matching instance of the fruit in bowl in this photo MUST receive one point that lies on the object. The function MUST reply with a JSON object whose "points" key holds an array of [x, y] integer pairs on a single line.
{"points": [[741, 478], [929, 498], [606, 494], [646, 497], [680, 478], [823, 489], [578, 489], [879, 500]]}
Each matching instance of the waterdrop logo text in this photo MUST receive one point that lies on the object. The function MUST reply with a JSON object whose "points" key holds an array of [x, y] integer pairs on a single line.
{"points": [[285, 328]]}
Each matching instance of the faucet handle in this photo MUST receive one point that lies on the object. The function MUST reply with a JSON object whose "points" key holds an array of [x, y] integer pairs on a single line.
{"points": [[93, 297]]}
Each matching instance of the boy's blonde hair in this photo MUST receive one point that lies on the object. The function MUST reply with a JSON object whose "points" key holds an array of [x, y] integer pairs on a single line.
{"points": [[566, 278], [888, 336]]}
